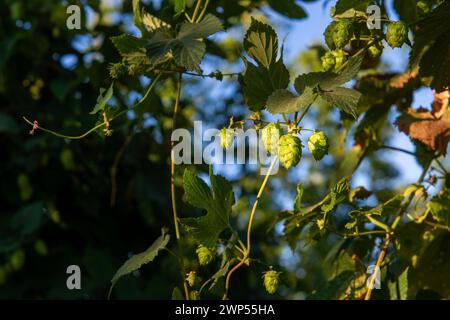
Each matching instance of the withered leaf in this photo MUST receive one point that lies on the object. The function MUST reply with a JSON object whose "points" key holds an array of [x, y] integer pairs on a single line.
{"points": [[427, 127]]}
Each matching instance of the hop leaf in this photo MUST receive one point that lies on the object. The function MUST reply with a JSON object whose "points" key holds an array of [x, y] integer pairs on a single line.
{"points": [[342, 33], [290, 150], [191, 277], [271, 281], [205, 255], [318, 145], [270, 136], [226, 138], [328, 34], [328, 61], [397, 34]]}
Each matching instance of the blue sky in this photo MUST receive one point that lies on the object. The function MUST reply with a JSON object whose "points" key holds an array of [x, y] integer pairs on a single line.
{"points": [[299, 34]]}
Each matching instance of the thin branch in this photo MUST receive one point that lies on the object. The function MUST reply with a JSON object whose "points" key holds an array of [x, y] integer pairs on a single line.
{"points": [[196, 10], [392, 228], [114, 167], [36, 126], [203, 11], [397, 149], [172, 163], [244, 259]]}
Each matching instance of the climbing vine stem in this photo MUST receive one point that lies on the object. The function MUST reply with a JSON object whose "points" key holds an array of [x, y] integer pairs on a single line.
{"points": [[388, 237], [246, 255], [105, 122]]}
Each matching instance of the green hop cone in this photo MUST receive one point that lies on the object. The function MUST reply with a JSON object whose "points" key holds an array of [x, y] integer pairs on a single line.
{"points": [[397, 34], [191, 277], [376, 50], [340, 57], [328, 61], [270, 135], [271, 281], [422, 8], [226, 138], [342, 33], [17, 260], [116, 70], [205, 255], [328, 34], [290, 150], [318, 145], [41, 248]]}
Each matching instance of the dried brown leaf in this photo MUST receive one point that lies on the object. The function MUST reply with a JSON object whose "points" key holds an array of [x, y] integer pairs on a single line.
{"points": [[426, 127]]}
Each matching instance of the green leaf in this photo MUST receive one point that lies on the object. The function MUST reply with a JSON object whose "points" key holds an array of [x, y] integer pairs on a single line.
{"points": [[180, 5], [136, 261], [298, 198], [209, 25], [137, 18], [28, 219], [354, 6], [343, 98], [399, 290], [187, 47], [261, 43], [350, 70], [283, 101], [440, 207], [160, 45], [310, 80], [132, 49], [103, 98], [328, 84], [152, 23], [288, 8], [177, 294], [270, 74], [431, 49], [259, 83], [8, 124], [218, 202]]}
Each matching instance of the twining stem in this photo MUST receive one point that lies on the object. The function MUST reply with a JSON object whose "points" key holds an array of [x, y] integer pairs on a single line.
{"points": [[394, 225], [203, 11], [378, 265], [176, 109], [105, 122], [397, 149], [196, 10], [115, 166], [244, 259], [297, 122], [172, 163]]}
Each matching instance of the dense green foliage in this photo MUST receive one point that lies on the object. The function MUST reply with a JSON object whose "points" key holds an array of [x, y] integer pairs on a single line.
{"points": [[87, 177]]}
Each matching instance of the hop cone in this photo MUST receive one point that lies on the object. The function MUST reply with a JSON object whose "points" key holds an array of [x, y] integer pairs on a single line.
{"points": [[270, 135], [397, 34], [318, 145], [328, 61], [191, 278], [376, 50], [226, 138], [342, 33], [205, 255], [340, 57], [290, 150], [17, 260], [271, 281]]}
